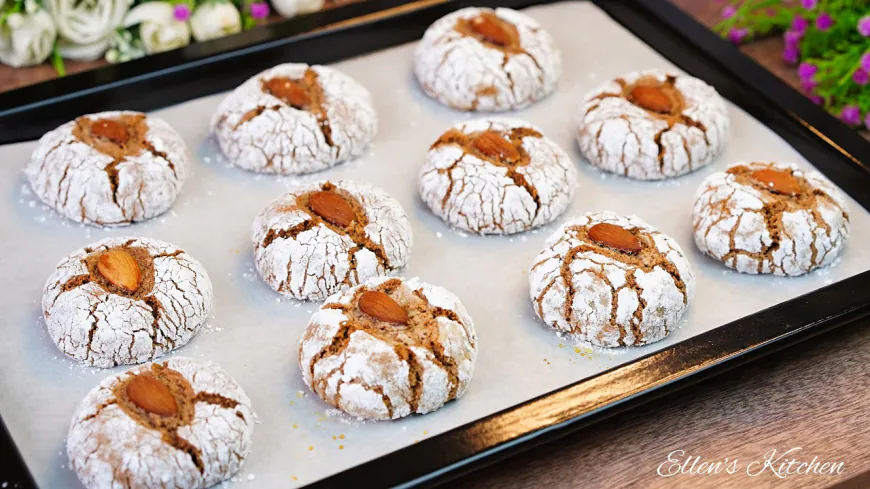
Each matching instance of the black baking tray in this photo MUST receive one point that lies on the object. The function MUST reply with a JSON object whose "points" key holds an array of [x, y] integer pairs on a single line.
{"points": [[836, 150]]}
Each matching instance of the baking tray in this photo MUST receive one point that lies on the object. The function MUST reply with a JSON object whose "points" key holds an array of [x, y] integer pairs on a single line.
{"points": [[515, 349]]}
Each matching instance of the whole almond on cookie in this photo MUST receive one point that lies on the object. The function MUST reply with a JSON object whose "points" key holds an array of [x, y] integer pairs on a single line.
{"points": [[111, 130], [493, 145], [331, 207], [491, 30], [615, 237], [289, 91], [652, 98], [382, 307], [778, 181], [120, 269], [152, 395]]}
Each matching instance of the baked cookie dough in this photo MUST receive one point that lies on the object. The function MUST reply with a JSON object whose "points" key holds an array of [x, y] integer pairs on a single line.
{"points": [[324, 237], [295, 118], [611, 280], [652, 125], [175, 424], [109, 169], [479, 59], [770, 218], [125, 300], [389, 348], [497, 176]]}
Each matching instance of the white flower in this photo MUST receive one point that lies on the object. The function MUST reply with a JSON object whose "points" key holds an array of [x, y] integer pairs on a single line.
{"points": [[292, 8], [215, 19], [27, 38], [158, 27], [84, 26]]}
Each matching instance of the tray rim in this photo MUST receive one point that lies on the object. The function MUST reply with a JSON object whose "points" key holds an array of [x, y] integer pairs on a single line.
{"points": [[565, 410]]}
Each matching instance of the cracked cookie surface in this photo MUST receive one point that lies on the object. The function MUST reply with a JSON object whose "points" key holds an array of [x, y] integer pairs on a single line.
{"points": [[652, 125], [611, 280], [117, 441], [498, 176], [765, 217], [375, 369], [479, 59], [95, 321], [110, 168], [295, 118], [306, 252]]}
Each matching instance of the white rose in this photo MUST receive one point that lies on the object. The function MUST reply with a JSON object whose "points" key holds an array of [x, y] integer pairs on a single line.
{"points": [[292, 8], [158, 27], [214, 20], [84, 26], [27, 38]]}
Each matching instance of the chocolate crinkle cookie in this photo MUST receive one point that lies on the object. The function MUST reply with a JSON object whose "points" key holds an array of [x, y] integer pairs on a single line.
{"points": [[176, 424], [389, 348], [611, 280], [479, 59], [652, 125], [497, 176], [125, 301], [295, 118], [324, 237], [770, 218], [109, 169]]}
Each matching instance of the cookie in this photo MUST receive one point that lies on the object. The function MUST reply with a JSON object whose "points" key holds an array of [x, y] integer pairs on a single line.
{"points": [[109, 169], [389, 348], [652, 125], [295, 118], [497, 176], [324, 237], [179, 423], [770, 218], [611, 280], [125, 300], [479, 59]]}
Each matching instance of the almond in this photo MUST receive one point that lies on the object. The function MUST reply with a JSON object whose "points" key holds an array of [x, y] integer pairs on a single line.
{"points": [[111, 130], [781, 182], [289, 91], [149, 393], [120, 269], [382, 307], [652, 98], [493, 145], [490, 28], [331, 207], [615, 237]]}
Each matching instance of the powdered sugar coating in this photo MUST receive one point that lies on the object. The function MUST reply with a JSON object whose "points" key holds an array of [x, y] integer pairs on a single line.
{"points": [[605, 297], [369, 376], [476, 195], [301, 256], [620, 137], [108, 449], [101, 328], [260, 132], [71, 176], [754, 231], [466, 74]]}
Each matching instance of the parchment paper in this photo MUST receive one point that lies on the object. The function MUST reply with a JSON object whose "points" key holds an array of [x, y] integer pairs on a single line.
{"points": [[254, 334]]}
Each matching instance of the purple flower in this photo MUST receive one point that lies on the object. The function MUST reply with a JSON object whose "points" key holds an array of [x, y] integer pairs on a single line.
{"points": [[181, 12], [851, 115], [259, 10], [817, 99], [799, 25], [824, 22], [728, 11], [791, 54], [865, 62], [736, 34], [860, 77], [809, 4], [791, 39], [806, 71], [864, 26], [809, 85]]}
